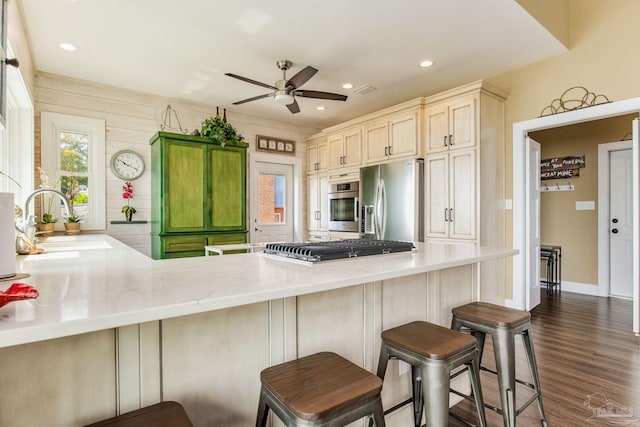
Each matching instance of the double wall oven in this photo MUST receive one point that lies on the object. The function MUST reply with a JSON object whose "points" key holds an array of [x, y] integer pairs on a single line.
{"points": [[344, 207]]}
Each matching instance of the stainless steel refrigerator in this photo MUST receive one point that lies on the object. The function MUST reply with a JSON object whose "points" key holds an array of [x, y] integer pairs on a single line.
{"points": [[392, 201]]}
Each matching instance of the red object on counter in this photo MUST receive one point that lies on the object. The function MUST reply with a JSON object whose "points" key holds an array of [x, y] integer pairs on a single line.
{"points": [[17, 292]]}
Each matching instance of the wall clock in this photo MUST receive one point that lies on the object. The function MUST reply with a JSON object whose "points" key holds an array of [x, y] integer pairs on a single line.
{"points": [[127, 165]]}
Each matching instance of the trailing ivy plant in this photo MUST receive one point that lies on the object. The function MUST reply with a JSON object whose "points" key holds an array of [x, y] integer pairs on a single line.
{"points": [[220, 131]]}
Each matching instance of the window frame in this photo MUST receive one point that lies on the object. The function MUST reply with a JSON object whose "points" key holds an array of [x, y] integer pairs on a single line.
{"points": [[50, 126]]}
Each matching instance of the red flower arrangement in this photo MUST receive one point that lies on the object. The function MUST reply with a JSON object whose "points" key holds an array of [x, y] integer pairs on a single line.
{"points": [[127, 193]]}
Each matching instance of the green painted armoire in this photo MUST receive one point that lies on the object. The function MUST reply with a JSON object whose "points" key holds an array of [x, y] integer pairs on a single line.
{"points": [[198, 192]]}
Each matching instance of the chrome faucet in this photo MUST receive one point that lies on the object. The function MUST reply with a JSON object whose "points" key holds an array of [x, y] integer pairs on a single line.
{"points": [[26, 240]]}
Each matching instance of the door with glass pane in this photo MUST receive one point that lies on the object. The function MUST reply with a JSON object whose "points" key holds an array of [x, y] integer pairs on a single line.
{"points": [[272, 203]]}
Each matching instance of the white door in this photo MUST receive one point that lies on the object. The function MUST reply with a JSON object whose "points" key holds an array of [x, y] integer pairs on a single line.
{"points": [[621, 223], [533, 223], [272, 203], [636, 226]]}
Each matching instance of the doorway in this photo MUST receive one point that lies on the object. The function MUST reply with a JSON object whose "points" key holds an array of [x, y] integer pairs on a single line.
{"points": [[615, 219], [521, 175], [274, 214]]}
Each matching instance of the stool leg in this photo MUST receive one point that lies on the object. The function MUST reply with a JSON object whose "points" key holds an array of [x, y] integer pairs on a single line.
{"points": [[435, 393], [533, 367], [474, 374], [504, 349], [383, 361], [480, 338], [418, 405], [263, 411], [378, 414]]}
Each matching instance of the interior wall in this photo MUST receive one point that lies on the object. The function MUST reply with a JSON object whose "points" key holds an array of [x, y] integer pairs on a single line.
{"points": [[132, 118], [603, 38], [560, 222]]}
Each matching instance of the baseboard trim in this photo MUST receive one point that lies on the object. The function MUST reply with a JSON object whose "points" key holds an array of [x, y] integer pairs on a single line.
{"points": [[580, 288]]}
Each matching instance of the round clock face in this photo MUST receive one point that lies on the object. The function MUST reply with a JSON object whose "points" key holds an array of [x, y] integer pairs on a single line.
{"points": [[127, 164]]}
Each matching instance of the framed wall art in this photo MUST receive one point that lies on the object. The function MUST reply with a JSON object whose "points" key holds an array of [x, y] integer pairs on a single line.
{"points": [[275, 145]]}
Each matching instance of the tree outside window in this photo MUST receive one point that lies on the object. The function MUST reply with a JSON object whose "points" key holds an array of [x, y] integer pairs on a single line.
{"points": [[74, 168]]}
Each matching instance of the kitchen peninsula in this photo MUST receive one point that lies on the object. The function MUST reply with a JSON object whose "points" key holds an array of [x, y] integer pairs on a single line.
{"points": [[113, 329]]}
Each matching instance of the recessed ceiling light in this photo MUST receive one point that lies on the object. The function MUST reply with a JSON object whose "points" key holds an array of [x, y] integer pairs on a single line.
{"points": [[320, 108], [347, 86], [427, 63], [68, 46]]}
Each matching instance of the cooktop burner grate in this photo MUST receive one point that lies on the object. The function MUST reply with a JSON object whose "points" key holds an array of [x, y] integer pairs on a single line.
{"points": [[337, 249]]}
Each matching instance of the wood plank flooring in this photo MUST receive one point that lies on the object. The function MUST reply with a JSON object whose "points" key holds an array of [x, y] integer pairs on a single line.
{"points": [[584, 346]]}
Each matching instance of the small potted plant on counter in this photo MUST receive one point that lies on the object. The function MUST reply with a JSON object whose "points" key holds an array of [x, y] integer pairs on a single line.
{"points": [[47, 222], [72, 221]]}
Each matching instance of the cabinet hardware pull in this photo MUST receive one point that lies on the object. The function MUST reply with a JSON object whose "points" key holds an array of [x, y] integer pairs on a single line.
{"points": [[445, 140], [451, 215], [445, 214], [450, 139], [386, 151], [390, 151], [318, 215]]}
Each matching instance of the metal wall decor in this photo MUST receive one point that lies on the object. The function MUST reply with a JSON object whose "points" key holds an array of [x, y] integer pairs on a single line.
{"points": [[166, 120], [275, 145], [574, 98]]}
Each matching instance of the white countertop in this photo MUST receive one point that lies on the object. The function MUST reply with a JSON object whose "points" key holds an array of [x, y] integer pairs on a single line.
{"points": [[92, 282]]}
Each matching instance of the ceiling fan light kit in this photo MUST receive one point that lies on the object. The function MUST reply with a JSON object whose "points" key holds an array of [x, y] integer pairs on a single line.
{"points": [[286, 91]]}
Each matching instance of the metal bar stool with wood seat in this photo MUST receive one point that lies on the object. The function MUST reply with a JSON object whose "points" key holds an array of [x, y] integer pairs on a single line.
{"points": [[163, 414], [322, 389], [432, 351], [503, 324]]}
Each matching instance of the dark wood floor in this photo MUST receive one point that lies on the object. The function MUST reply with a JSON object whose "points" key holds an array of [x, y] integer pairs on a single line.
{"points": [[584, 345]]}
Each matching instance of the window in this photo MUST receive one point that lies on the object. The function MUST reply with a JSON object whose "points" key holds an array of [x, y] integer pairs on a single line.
{"points": [[73, 157]]}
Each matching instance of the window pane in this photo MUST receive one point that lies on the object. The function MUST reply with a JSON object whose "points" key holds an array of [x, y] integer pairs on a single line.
{"points": [[74, 151], [271, 193]]}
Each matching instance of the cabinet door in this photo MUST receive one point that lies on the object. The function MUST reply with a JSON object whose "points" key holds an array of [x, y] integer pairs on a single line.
{"points": [[185, 186], [376, 142], [403, 136], [323, 156], [336, 151], [312, 158], [323, 202], [436, 123], [226, 170], [462, 198], [437, 195], [462, 123], [352, 148], [313, 208]]}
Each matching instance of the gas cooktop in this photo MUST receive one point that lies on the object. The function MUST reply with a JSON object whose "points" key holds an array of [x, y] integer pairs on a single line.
{"points": [[336, 249]]}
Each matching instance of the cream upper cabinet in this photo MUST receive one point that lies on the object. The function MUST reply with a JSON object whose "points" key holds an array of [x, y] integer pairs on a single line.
{"points": [[317, 156], [450, 125], [451, 195], [345, 149], [391, 138]]}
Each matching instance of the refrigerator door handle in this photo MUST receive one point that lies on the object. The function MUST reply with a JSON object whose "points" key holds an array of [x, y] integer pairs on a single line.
{"points": [[383, 209]]}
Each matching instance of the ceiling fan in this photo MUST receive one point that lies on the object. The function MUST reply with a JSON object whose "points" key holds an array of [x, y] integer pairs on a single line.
{"points": [[285, 91]]}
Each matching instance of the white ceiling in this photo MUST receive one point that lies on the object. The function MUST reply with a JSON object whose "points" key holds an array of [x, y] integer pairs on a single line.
{"points": [[181, 49]]}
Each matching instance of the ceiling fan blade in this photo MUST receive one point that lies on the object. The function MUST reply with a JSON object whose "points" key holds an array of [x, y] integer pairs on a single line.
{"points": [[244, 79], [302, 77], [320, 95], [294, 107], [266, 95]]}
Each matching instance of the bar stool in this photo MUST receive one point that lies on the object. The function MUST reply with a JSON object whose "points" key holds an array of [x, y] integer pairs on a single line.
{"points": [[503, 324], [163, 414], [322, 389], [432, 351]]}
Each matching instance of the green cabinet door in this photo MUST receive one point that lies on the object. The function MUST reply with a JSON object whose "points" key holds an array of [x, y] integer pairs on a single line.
{"points": [[227, 192], [185, 188]]}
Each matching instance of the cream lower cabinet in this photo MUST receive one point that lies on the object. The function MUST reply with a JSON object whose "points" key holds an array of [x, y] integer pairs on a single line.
{"points": [[451, 195]]}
